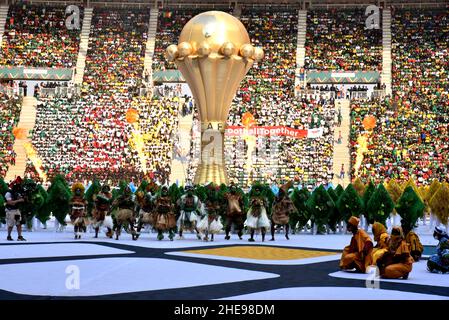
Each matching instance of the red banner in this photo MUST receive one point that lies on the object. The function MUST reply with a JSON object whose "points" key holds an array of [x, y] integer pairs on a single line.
{"points": [[266, 131]]}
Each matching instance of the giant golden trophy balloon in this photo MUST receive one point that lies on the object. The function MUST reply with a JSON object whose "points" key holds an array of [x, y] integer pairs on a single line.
{"points": [[214, 54]]}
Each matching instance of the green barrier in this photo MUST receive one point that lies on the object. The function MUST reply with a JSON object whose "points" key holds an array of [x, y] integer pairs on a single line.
{"points": [[25, 73], [343, 77]]}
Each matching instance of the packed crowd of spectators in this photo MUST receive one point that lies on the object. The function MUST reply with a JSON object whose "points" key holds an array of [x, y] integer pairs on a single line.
{"points": [[420, 41], [37, 36], [421, 83], [55, 132], [159, 123], [308, 160], [89, 135], [114, 61], [337, 40], [169, 27], [411, 136], [269, 84], [406, 142], [195, 147], [311, 159], [10, 106], [267, 91], [77, 143]]}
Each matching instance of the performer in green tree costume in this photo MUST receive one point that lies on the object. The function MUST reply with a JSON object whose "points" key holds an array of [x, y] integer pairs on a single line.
{"points": [[190, 208], [126, 212], [101, 213], [257, 217], [165, 218], [235, 212]]}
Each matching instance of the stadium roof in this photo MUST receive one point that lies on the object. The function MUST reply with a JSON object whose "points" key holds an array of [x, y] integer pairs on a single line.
{"points": [[303, 4]]}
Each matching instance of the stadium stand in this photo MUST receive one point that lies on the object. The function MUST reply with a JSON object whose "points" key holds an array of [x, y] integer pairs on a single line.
{"points": [[36, 36], [337, 40], [411, 136], [10, 106]]}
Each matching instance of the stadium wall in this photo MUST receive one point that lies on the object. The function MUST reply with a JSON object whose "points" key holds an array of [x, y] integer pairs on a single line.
{"points": [[217, 4]]}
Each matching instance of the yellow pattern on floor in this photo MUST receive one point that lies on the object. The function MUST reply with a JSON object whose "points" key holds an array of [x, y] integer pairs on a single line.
{"points": [[262, 253]]}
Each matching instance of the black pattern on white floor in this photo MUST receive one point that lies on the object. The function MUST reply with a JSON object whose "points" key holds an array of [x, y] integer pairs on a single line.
{"points": [[307, 275]]}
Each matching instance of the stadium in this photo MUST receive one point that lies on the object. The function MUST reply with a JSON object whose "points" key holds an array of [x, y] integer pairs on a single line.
{"points": [[148, 137]]}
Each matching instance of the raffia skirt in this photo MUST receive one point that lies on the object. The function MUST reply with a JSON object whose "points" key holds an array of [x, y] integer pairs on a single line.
{"points": [[146, 217], [187, 219], [124, 215], [212, 225], [254, 222]]}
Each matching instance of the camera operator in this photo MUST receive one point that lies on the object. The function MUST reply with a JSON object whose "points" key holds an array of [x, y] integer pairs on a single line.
{"points": [[13, 216]]}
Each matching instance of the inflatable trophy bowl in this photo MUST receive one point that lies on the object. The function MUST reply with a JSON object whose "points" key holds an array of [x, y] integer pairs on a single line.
{"points": [[214, 54]]}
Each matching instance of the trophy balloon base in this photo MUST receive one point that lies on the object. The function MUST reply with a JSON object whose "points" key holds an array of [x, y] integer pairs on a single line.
{"points": [[211, 173]]}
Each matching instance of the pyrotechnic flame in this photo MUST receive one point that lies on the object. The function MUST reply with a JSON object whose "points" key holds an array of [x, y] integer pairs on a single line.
{"points": [[362, 142], [37, 162], [137, 142], [369, 123], [251, 144]]}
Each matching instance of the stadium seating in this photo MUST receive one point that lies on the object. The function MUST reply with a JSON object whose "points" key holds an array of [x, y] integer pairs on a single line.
{"points": [[337, 40], [311, 159], [411, 136], [269, 85], [36, 36], [116, 50], [89, 136], [10, 107], [169, 27]]}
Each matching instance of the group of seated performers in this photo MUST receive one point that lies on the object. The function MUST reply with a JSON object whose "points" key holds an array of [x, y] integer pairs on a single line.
{"points": [[393, 254]]}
